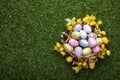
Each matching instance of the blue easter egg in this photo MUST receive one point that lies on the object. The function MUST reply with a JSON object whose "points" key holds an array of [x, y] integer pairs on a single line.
{"points": [[83, 43]]}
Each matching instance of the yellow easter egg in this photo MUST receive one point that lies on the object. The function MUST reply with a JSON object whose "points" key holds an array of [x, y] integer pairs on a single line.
{"points": [[69, 59], [75, 34], [105, 40], [99, 41], [68, 48], [87, 51]]}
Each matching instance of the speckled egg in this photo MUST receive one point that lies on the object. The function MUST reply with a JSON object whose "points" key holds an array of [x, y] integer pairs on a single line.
{"points": [[87, 51], [73, 42], [96, 49], [77, 27], [78, 52], [68, 48], [93, 35], [92, 42], [83, 43], [83, 34], [75, 35], [87, 28], [99, 41]]}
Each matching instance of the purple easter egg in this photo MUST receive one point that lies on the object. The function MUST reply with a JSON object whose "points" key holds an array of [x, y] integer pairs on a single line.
{"points": [[92, 42], [93, 35], [78, 52], [77, 27], [96, 49], [73, 42], [87, 28]]}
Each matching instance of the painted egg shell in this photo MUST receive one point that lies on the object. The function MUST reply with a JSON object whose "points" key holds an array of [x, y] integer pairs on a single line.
{"points": [[73, 42], [93, 35], [68, 48], [87, 51], [77, 27], [96, 49], [78, 52], [92, 42], [75, 35], [83, 34], [87, 28], [83, 43], [99, 41]]}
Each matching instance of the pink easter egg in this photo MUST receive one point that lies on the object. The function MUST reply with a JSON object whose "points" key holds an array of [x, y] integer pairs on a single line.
{"points": [[92, 42], [96, 49], [91, 38], [73, 42]]}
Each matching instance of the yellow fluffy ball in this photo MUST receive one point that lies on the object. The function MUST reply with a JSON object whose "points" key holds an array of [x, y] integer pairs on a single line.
{"points": [[105, 40], [69, 59]]}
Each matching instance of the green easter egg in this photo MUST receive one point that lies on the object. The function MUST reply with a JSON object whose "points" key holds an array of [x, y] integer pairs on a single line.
{"points": [[68, 48], [99, 41], [87, 51], [75, 34]]}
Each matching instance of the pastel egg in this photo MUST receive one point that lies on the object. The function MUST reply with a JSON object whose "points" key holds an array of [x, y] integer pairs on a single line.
{"points": [[87, 51], [99, 41], [75, 35], [68, 48], [93, 35], [96, 49], [73, 42], [92, 42], [83, 34], [83, 43], [78, 52], [87, 28], [77, 27]]}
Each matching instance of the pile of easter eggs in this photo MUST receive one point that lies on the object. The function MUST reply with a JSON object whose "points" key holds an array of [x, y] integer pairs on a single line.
{"points": [[83, 42]]}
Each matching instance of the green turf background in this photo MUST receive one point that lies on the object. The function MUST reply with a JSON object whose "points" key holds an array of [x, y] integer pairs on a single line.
{"points": [[30, 28]]}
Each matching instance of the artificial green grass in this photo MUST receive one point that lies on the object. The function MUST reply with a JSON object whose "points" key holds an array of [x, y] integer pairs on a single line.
{"points": [[30, 28]]}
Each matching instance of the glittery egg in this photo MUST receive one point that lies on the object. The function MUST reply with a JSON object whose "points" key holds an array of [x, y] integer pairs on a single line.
{"points": [[92, 42], [75, 35], [96, 49], [93, 35], [83, 34], [78, 52], [68, 48], [87, 51], [99, 41], [87, 28], [83, 43], [77, 27], [73, 42]]}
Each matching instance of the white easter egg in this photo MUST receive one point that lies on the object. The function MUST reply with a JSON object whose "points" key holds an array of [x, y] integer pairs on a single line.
{"points": [[83, 34], [87, 28]]}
